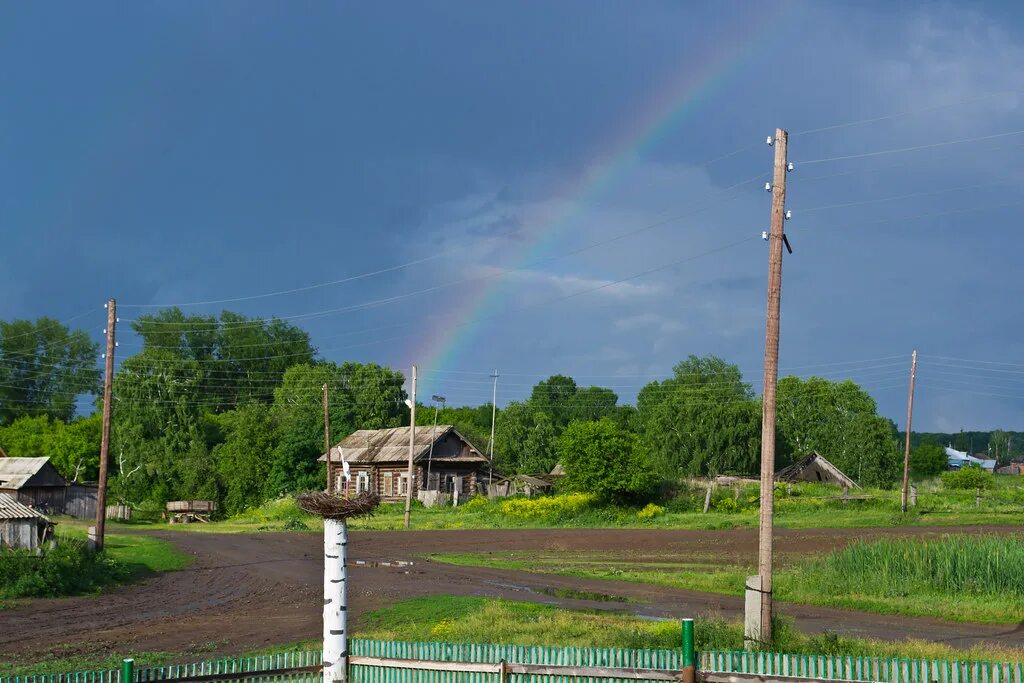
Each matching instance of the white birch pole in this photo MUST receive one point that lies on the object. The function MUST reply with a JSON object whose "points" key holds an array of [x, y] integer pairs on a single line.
{"points": [[335, 601]]}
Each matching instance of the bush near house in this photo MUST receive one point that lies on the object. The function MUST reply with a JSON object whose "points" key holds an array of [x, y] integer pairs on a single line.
{"points": [[972, 477]]}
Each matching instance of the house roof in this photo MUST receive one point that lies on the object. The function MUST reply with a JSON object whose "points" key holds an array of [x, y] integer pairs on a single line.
{"points": [[15, 473], [392, 445], [833, 474], [12, 509]]}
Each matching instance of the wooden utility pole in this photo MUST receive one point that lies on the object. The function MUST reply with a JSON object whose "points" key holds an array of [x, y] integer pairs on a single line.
{"points": [[327, 442], [490, 444], [108, 381], [412, 449], [910, 420], [771, 376]]}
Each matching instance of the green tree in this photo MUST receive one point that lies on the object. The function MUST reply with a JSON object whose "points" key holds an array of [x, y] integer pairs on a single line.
{"points": [[998, 446], [702, 420], [967, 478], [73, 449], [525, 440], [44, 368], [240, 358], [242, 462], [601, 459], [555, 397], [840, 421], [928, 460], [363, 396]]}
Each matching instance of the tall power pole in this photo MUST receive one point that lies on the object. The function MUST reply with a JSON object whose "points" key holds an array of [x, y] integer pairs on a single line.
{"points": [[771, 376], [108, 380], [910, 419], [412, 449], [490, 444], [327, 442]]}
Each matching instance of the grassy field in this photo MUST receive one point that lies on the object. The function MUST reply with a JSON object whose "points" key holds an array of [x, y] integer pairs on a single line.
{"points": [[142, 554], [969, 579], [484, 620], [800, 506]]}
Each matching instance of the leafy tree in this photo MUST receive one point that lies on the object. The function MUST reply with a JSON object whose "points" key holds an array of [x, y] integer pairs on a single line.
{"points": [[525, 440], [998, 446], [240, 359], [44, 368], [555, 396], [601, 459], [840, 421], [473, 422], [363, 396], [243, 465], [702, 420], [928, 460], [73, 449]]}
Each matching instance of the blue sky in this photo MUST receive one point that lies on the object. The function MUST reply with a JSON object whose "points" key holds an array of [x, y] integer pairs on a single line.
{"points": [[182, 152]]}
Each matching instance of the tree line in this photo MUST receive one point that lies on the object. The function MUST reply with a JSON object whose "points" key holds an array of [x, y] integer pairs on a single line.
{"points": [[229, 408]]}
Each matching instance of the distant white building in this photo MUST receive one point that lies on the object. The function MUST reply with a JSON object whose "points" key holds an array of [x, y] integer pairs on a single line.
{"points": [[957, 459]]}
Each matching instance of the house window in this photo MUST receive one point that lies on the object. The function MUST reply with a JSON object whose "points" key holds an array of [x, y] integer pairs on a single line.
{"points": [[389, 484], [339, 481], [362, 482], [403, 484], [435, 481]]}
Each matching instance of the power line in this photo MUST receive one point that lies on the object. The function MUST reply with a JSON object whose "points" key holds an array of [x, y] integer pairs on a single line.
{"points": [[915, 148]]}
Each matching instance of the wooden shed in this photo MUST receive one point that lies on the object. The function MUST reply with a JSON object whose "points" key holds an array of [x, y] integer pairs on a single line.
{"points": [[21, 527], [37, 483], [815, 468], [379, 459]]}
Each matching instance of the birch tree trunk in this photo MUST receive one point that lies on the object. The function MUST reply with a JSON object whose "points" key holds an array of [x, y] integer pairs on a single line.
{"points": [[335, 601]]}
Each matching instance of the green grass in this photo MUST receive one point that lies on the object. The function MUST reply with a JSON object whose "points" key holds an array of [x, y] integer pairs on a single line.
{"points": [[142, 554], [958, 578], [485, 620]]}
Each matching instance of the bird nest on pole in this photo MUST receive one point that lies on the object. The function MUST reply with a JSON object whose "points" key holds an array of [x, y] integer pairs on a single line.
{"points": [[331, 506]]}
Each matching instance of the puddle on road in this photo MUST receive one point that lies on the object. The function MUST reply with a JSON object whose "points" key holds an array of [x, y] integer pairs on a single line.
{"points": [[384, 563]]}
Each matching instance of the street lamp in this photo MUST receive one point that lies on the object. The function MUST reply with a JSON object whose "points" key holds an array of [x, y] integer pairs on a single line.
{"points": [[438, 401]]}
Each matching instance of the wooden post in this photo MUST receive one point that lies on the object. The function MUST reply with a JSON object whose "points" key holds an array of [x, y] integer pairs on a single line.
{"points": [[910, 419], [977, 498], [327, 442], [771, 376], [490, 444], [707, 498], [108, 381], [335, 600], [689, 672], [412, 449], [913, 496]]}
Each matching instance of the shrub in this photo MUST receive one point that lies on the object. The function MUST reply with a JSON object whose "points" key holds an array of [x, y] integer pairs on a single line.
{"points": [[547, 508], [971, 477], [475, 502], [65, 570], [602, 459], [928, 459], [650, 511]]}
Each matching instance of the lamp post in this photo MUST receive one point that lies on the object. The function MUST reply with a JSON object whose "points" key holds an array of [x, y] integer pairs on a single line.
{"points": [[438, 401]]}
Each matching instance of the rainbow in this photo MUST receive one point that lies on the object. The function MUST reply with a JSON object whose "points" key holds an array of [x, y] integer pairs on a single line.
{"points": [[451, 333]]}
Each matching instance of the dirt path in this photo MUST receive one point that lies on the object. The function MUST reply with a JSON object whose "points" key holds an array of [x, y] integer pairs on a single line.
{"points": [[247, 591]]}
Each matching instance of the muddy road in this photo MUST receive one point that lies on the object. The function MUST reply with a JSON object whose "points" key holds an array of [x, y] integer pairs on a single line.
{"points": [[246, 591]]}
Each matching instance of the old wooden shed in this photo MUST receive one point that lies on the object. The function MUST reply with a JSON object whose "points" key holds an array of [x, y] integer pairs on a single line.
{"points": [[37, 483], [21, 527], [817, 469], [443, 460]]}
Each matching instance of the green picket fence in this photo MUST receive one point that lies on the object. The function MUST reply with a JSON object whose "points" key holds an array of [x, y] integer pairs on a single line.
{"points": [[302, 667]]}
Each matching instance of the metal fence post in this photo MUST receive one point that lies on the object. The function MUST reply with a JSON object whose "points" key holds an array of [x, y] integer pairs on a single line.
{"points": [[689, 656], [128, 671]]}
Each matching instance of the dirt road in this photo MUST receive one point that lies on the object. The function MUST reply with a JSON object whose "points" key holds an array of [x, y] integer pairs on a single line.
{"points": [[247, 591]]}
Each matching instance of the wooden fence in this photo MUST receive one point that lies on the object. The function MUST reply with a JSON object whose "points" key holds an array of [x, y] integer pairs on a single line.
{"points": [[374, 661]]}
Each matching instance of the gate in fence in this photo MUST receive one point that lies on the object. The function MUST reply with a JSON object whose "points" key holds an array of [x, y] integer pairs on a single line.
{"points": [[373, 661]]}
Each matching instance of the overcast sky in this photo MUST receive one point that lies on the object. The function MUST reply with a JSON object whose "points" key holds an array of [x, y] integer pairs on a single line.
{"points": [[170, 152]]}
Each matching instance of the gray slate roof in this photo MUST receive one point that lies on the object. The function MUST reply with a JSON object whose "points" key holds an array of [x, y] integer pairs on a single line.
{"points": [[367, 446], [12, 509], [15, 472]]}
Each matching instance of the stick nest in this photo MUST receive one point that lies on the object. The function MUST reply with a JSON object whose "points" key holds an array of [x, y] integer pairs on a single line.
{"points": [[331, 506]]}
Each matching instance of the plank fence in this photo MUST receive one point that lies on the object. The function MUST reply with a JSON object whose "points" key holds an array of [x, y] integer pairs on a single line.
{"points": [[373, 661]]}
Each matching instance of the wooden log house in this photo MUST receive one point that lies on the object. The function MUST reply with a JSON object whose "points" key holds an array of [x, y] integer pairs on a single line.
{"points": [[378, 460]]}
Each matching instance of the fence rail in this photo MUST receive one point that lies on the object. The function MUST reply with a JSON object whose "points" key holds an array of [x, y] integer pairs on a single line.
{"points": [[373, 661]]}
